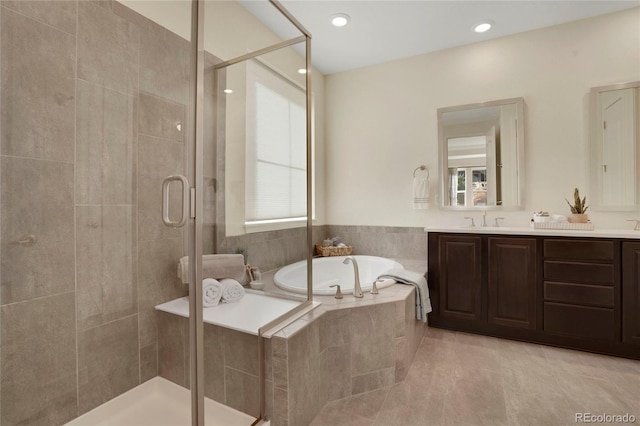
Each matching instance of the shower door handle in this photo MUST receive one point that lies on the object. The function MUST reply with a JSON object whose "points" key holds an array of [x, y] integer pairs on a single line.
{"points": [[185, 201]]}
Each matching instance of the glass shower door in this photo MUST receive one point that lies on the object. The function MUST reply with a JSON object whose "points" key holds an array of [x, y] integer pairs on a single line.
{"points": [[95, 105]]}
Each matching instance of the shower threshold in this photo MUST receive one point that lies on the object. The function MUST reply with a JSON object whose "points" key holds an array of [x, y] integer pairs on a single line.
{"points": [[159, 402]]}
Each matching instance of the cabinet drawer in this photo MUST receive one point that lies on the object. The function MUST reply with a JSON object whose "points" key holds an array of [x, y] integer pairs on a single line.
{"points": [[578, 272], [580, 294], [579, 249], [579, 321]]}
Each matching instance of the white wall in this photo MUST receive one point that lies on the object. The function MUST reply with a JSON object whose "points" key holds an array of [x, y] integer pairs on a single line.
{"points": [[381, 120]]}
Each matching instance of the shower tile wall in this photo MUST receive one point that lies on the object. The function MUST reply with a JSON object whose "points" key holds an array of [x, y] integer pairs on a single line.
{"points": [[92, 94], [231, 366]]}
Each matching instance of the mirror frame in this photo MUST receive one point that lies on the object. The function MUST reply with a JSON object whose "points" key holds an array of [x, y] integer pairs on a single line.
{"points": [[443, 154], [594, 130]]}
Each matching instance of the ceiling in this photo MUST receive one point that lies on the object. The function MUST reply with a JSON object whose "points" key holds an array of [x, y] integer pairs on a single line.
{"points": [[382, 31]]}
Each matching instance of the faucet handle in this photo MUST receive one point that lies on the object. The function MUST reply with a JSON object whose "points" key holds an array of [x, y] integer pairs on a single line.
{"points": [[338, 292], [637, 221], [497, 224], [374, 288], [473, 223]]}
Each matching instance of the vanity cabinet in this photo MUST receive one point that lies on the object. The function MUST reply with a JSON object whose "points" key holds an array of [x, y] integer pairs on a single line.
{"points": [[511, 282], [460, 272], [482, 280], [631, 293], [576, 292]]}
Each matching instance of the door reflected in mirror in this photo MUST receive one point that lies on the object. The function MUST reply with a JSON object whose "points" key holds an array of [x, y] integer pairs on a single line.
{"points": [[615, 146], [481, 155]]}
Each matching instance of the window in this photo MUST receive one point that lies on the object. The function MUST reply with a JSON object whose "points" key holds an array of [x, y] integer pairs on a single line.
{"points": [[468, 186], [276, 148]]}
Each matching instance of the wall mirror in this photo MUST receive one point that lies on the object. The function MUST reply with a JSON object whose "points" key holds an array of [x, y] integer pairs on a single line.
{"points": [[615, 147], [481, 149]]}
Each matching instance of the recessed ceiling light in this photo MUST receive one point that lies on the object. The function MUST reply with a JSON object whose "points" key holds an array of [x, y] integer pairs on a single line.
{"points": [[340, 19], [302, 71], [483, 27], [228, 91]]}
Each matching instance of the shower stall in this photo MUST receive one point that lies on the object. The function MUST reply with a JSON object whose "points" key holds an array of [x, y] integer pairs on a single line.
{"points": [[101, 102]]}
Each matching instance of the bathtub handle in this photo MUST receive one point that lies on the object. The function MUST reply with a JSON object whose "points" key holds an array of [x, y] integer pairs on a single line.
{"points": [[338, 292]]}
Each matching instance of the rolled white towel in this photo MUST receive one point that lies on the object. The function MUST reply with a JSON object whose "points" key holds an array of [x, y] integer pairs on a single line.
{"points": [[211, 292], [232, 290]]}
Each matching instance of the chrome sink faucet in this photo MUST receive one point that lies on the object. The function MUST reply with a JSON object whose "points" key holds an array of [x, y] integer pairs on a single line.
{"points": [[357, 291], [484, 219], [637, 221]]}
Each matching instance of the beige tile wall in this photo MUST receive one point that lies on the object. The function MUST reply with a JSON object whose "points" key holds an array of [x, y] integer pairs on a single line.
{"points": [[231, 362], [397, 242], [340, 353]]}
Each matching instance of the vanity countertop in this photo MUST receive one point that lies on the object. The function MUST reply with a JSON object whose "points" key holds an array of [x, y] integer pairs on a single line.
{"points": [[506, 230]]}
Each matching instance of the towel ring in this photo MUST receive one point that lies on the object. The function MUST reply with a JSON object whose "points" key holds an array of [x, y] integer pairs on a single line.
{"points": [[421, 167]]}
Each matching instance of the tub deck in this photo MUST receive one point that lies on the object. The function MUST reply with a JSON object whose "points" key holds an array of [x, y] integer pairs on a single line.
{"points": [[247, 315]]}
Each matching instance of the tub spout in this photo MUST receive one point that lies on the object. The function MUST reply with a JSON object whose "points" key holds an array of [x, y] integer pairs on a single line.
{"points": [[357, 291]]}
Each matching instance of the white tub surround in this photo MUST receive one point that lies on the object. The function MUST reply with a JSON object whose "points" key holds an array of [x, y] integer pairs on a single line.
{"points": [[494, 230]]}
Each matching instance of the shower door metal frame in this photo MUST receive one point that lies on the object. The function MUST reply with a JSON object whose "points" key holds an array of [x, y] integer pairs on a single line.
{"points": [[194, 251], [194, 248]]}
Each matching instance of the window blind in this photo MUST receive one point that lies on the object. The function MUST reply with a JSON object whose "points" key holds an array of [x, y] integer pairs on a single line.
{"points": [[276, 147]]}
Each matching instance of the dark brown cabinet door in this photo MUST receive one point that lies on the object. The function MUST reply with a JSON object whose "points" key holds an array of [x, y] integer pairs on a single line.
{"points": [[460, 266], [512, 282], [631, 293]]}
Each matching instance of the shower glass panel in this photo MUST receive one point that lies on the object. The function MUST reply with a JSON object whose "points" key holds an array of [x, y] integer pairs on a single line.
{"points": [[95, 106], [254, 187]]}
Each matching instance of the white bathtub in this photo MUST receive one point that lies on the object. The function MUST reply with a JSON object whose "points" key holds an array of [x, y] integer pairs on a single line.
{"points": [[330, 270]]}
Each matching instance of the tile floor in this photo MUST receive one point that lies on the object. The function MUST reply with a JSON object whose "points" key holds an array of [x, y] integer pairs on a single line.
{"points": [[464, 379]]}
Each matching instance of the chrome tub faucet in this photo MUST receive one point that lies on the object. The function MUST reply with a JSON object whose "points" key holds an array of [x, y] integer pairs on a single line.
{"points": [[357, 291]]}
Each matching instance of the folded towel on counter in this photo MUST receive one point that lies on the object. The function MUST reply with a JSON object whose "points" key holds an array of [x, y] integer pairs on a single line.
{"points": [[420, 193], [211, 292], [232, 290], [403, 276], [215, 266]]}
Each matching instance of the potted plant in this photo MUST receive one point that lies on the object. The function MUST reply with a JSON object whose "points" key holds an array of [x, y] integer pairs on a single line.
{"points": [[578, 208]]}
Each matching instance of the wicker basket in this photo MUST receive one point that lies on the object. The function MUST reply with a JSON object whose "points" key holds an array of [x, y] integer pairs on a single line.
{"points": [[333, 251]]}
